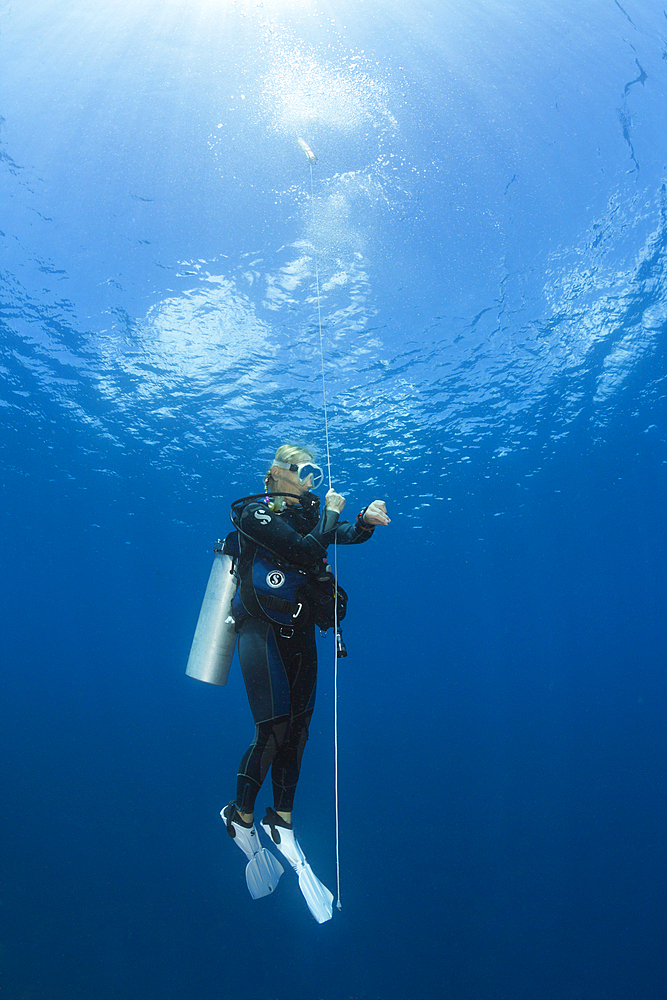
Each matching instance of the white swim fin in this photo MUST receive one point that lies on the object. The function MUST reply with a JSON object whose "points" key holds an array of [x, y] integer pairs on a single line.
{"points": [[262, 874], [316, 894], [263, 870]]}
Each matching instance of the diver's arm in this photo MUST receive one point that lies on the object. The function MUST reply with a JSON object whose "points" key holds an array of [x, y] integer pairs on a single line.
{"points": [[355, 533], [367, 520], [276, 534]]}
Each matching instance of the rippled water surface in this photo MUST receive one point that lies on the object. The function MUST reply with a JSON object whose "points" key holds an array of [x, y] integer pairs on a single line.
{"points": [[486, 216]]}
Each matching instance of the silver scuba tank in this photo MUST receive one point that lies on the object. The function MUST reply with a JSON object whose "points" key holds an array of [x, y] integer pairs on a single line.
{"points": [[215, 637]]}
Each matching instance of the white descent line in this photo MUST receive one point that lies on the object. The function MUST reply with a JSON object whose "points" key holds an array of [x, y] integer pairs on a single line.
{"points": [[338, 904], [311, 160], [319, 326]]}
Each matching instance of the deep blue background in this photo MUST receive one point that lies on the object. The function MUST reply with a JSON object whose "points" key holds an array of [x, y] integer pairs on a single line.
{"points": [[488, 223]]}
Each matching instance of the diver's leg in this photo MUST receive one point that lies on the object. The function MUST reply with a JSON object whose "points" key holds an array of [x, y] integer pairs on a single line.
{"points": [[301, 666], [256, 761], [268, 693], [300, 659]]}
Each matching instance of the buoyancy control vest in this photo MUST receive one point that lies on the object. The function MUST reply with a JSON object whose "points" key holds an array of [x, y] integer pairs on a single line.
{"points": [[272, 586]]}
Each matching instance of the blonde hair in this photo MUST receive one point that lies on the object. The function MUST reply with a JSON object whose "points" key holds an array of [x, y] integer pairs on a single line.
{"points": [[292, 453]]}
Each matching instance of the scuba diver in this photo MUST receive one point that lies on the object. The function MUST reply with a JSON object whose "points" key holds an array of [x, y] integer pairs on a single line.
{"points": [[286, 588]]}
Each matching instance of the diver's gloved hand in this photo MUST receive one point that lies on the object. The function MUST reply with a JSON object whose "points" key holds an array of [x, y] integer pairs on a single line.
{"points": [[334, 501], [376, 513]]}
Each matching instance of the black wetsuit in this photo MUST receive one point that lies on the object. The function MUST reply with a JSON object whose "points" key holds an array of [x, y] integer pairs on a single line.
{"points": [[277, 553]]}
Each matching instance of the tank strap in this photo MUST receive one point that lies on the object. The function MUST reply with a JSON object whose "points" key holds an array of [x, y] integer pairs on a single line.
{"points": [[278, 604]]}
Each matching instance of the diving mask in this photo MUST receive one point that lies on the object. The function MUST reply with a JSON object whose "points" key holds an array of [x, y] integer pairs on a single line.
{"points": [[303, 471]]}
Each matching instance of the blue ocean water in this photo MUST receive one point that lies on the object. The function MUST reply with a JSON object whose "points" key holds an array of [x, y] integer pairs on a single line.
{"points": [[488, 221]]}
